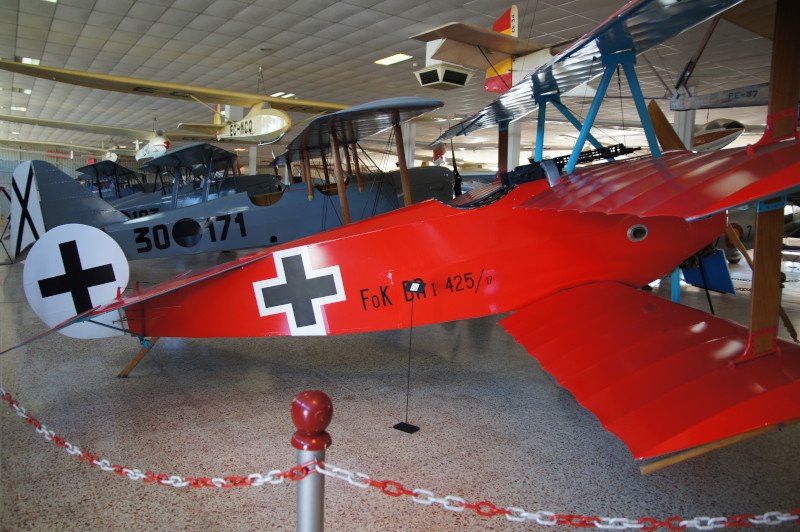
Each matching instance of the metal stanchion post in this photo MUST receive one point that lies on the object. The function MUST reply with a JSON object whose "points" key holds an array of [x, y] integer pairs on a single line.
{"points": [[311, 413]]}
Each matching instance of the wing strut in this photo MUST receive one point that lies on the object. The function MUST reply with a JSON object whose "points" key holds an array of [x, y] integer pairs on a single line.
{"points": [[502, 146], [781, 123], [625, 59], [555, 99]]}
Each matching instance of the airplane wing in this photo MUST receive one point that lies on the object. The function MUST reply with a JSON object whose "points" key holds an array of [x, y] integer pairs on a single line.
{"points": [[111, 131], [757, 16], [165, 89], [46, 144], [638, 26], [106, 168], [709, 183], [466, 44], [355, 123], [207, 129], [191, 155], [655, 373]]}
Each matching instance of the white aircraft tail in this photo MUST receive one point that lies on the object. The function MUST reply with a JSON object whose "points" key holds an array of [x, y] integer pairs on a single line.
{"points": [[44, 197], [71, 270]]}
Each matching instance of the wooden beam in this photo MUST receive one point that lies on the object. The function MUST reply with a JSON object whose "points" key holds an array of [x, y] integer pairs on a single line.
{"points": [[346, 150], [307, 175], [325, 169], [401, 161], [132, 363], [359, 180], [682, 456], [733, 236], [340, 186], [765, 300], [781, 123], [784, 76], [502, 147]]}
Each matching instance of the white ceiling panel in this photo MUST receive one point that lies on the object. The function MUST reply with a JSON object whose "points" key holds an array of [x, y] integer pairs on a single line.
{"points": [[319, 49], [337, 12]]}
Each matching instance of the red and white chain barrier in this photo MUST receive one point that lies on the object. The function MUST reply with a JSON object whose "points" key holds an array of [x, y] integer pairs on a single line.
{"points": [[395, 489]]}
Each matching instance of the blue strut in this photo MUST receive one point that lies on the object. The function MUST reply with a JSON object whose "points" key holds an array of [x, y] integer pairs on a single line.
{"points": [[627, 60]]}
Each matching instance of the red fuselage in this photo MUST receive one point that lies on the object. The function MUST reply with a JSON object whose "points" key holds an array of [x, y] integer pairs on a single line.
{"points": [[473, 261]]}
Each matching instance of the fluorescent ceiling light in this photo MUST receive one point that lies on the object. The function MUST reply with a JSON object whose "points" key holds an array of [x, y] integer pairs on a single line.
{"points": [[288, 95], [275, 95], [15, 132], [29, 61], [14, 108], [27, 91], [51, 1], [392, 59]]}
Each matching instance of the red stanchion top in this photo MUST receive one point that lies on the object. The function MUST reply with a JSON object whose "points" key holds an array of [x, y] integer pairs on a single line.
{"points": [[312, 411]]}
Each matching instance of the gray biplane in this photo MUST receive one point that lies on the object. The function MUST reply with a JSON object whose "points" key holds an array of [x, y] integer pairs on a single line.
{"points": [[179, 180], [239, 217]]}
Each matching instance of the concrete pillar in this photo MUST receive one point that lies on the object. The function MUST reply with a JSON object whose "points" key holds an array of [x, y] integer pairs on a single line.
{"points": [[684, 127], [514, 142], [252, 162], [409, 138]]}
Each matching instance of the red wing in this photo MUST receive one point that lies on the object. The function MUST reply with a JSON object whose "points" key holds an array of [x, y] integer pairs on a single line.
{"points": [[683, 184], [657, 374]]}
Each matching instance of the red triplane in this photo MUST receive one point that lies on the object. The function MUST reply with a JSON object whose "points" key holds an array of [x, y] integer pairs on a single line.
{"points": [[661, 376]]}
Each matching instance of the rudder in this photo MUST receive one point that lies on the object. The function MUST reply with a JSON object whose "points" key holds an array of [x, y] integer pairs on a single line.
{"points": [[44, 197]]}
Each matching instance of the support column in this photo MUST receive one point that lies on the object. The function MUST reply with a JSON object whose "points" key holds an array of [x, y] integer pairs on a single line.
{"points": [[514, 142], [409, 139], [401, 160], [340, 186], [252, 160], [683, 123]]}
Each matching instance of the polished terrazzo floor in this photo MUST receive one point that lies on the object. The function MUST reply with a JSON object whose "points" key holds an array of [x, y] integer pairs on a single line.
{"points": [[494, 427]]}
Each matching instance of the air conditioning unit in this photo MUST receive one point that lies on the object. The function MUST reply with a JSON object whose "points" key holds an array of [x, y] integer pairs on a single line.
{"points": [[443, 76]]}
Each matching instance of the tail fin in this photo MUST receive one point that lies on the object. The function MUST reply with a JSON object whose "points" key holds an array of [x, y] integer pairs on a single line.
{"points": [[44, 197], [498, 76], [665, 133], [71, 270]]}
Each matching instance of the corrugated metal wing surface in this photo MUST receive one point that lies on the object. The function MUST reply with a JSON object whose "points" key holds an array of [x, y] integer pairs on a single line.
{"points": [[681, 184], [657, 374], [638, 26]]}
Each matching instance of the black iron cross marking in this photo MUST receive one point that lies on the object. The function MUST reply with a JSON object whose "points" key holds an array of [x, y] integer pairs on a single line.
{"points": [[75, 279], [299, 291], [25, 216]]}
